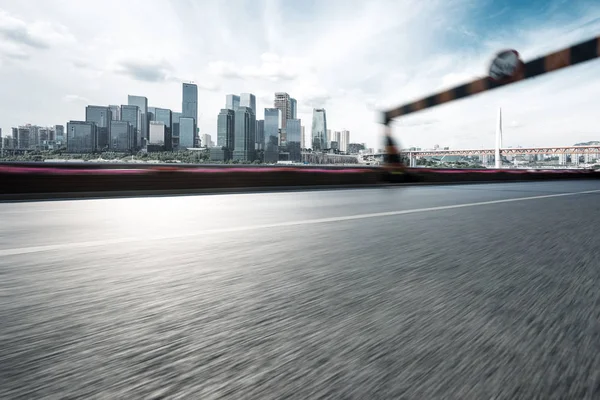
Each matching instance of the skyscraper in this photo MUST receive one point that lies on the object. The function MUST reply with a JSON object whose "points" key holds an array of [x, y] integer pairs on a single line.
{"points": [[189, 105], [232, 102], [23, 137], [164, 115], [294, 133], [60, 133], [156, 136], [319, 129], [187, 132], [116, 112], [81, 137], [260, 134], [225, 128], [293, 109], [206, 140], [45, 134], [344, 140], [150, 114], [245, 132], [131, 114], [335, 137], [101, 116], [282, 101], [248, 100], [302, 137], [121, 136], [140, 101], [142, 121], [271, 132], [175, 129], [157, 133]]}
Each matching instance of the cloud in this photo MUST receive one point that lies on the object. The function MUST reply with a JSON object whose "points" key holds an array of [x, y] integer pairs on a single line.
{"points": [[10, 51], [74, 98], [352, 57], [158, 70], [17, 31], [272, 67], [81, 64], [210, 86], [315, 99], [37, 34]]}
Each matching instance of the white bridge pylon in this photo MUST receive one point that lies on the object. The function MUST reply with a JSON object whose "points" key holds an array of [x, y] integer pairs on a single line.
{"points": [[497, 159]]}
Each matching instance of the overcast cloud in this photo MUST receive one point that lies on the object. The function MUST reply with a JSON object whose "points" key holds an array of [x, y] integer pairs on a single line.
{"points": [[351, 57]]}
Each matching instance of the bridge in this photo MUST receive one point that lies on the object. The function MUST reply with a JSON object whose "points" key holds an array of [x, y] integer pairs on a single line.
{"points": [[499, 152], [581, 150], [506, 151], [413, 155]]}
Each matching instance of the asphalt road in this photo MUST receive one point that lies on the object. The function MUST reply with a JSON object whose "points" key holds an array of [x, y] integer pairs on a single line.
{"points": [[450, 292]]}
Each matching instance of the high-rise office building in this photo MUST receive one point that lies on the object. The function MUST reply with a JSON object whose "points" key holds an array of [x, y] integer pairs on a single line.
{"points": [[260, 134], [248, 100], [294, 134], [140, 101], [319, 129], [150, 114], [225, 129], [115, 112], [81, 137], [175, 129], [101, 116], [121, 136], [244, 136], [15, 137], [46, 134], [27, 136], [189, 104], [131, 114], [225, 136], [272, 125], [157, 135], [187, 132], [60, 133], [142, 121], [232, 102], [344, 140], [302, 138], [293, 109], [165, 116]]}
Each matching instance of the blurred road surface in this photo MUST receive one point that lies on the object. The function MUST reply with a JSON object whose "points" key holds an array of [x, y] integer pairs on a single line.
{"points": [[452, 292]]}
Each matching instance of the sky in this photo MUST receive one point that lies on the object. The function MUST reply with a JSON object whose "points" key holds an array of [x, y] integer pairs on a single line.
{"points": [[354, 58]]}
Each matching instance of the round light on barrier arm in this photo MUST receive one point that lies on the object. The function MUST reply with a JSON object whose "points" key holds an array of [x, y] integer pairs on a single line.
{"points": [[506, 65]]}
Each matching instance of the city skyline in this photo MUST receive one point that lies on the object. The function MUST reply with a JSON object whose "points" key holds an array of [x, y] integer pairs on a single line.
{"points": [[51, 58], [177, 132]]}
